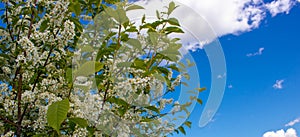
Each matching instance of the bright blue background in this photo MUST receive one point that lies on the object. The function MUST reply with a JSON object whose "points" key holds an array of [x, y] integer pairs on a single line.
{"points": [[253, 107]]}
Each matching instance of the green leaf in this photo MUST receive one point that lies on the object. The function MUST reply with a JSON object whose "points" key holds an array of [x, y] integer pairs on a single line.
{"points": [[118, 101], [188, 123], [134, 7], [98, 3], [132, 29], [153, 37], [57, 113], [157, 14], [199, 101], [146, 120], [173, 21], [181, 65], [155, 24], [124, 64], [200, 89], [135, 43], [171, 52], [122, 110], [175, 40], [69, 77], [79, 121], [181, 129], [44, 25], [143, 19], [77, 8], [192, 92], [153, 108], [31, 81], [159, 77], [186, 75], [185, 84], [91, 131], [174, 67], [78, 25], [119, 14], [189, 63], [88, 68], [163, 70], [87, 49], [171, 8], [173, 30], [138, 63]]}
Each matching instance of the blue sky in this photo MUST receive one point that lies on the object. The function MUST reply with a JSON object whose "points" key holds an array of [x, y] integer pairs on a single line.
{"points": [[253, 106]]}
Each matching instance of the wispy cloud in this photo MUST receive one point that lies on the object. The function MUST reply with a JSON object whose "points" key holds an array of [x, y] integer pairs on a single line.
{"points": [[221, 76], [292, 123], [278, 84], [279, 6], [259, 52], [281, 133]]}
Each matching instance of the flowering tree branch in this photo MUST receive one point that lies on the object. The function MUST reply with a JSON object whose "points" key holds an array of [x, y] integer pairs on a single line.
{"points": [[63, 77]]}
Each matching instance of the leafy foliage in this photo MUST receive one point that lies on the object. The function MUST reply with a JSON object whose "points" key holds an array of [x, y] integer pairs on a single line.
{"points": [[60, 76], [57, 113]]}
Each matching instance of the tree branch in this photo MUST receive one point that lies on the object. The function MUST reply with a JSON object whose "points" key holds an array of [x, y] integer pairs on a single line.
{"points": [[7, 23], [8, 121], [19, 96], [31, 21]]}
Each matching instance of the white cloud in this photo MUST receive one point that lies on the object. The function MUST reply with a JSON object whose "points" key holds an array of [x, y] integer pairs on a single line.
{"points": [[221, 76], [278, 84], [292, 123], [205, 20], [281, 133], [279, 6], [230, 86], [259, 52]]}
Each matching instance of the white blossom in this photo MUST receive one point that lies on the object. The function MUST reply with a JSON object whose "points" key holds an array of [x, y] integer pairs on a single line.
{"points": [[6, 70], [8, 134]]}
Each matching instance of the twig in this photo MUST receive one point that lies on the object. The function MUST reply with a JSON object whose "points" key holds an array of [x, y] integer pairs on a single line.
{"points": [[8, 121], [19, 95], [7, 23]]}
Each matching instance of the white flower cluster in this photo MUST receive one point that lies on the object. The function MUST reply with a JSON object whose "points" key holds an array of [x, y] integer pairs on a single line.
{"points": [[20, 59], [123, 131], [8, 134], [176, 107], [80, 132], [68, 32], [176, 82], [59, 12], [9, 105], [139, 81], [163, 102], [42, 36], [31, 52], [3, 88], [6, 70], [88, 108], [4, 35]]}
